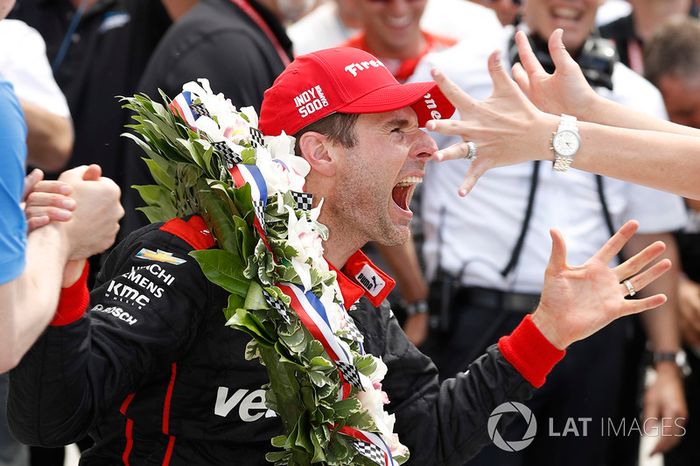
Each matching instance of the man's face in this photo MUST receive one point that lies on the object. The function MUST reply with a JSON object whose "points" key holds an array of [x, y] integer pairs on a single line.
{"points": [[506, 10], [292, 10], [6, 7], [682, 99], [393, 24], [376, 178], [575, 17]]}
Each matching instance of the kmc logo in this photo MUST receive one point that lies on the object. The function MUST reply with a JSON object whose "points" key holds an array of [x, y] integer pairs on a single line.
{"points": [[512, 407]]}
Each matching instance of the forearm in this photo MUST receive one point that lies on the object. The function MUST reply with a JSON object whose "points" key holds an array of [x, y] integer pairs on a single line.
{"points": [[49, 138], [658, 160], [30, 301], [607, 112]]}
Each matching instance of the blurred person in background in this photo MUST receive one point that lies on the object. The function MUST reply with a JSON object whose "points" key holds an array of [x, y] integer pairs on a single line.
{"points": [[336, 21], [508, 11], [631, 31], [199, 45], [49, 126], [672, 63]]}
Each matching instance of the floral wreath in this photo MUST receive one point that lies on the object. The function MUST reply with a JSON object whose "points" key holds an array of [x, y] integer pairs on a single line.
{"points": [[208, 158]]}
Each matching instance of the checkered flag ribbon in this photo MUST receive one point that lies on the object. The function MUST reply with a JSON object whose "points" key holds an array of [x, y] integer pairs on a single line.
{"points": [[370, 451], [256, 137], [229, 155], [351, 332], [304, 200], [200, 110], [259, 208], [277, 305], [350, 374]]}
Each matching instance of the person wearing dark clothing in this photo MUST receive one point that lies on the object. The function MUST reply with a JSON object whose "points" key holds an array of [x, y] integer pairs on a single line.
{"points": [[629, 36], [240, 46], [97, 55]]}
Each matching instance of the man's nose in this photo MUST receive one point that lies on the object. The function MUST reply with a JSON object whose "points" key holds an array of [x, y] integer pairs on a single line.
{"points": [[424, 146]]}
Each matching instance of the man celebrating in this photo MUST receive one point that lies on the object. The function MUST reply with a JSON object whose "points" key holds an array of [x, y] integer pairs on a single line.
{"points": [[154, 374]]}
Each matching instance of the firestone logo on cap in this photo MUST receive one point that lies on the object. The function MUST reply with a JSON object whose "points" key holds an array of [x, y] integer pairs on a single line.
{"points": [[310, 101], [432, 106], [353, 68]]}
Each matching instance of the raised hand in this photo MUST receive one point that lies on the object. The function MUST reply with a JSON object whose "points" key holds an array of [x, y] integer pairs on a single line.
{"points": [[564, 91], [577, 301], [500, 126]]}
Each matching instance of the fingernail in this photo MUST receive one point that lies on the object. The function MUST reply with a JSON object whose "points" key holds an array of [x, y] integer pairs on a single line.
{"points": [[64, 189], [63, 215], [462, 192], [68, 204], [430, 125]]}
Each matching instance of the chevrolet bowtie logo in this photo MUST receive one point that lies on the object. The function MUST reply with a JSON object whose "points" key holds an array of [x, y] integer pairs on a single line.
{"points": [[159, 256]]}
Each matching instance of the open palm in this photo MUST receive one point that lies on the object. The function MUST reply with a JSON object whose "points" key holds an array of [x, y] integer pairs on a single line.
{"points": [[577, 301]]}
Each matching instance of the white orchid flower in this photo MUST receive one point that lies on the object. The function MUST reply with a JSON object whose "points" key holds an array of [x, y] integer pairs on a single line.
{"points": [[304, 238]]}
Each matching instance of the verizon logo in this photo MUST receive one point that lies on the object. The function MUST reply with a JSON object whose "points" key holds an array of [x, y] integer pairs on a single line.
{"points": [[250, 404]]}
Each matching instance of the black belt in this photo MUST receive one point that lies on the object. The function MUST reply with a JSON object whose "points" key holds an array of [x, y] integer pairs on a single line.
{"points": [[496, 299]]}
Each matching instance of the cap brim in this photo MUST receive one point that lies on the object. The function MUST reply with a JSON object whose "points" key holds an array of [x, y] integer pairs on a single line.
{"points": [[424, 97]]}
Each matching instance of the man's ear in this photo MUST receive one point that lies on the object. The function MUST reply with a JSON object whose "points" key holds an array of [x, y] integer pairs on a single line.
{"points": [[318, 151]]}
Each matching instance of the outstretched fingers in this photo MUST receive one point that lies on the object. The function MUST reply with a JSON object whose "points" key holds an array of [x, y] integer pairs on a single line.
{"points": [[452, 91], [635, 306], [527, 57], [557, 50], [615, 244], [502, 82], [640, 260], [639, 282]]}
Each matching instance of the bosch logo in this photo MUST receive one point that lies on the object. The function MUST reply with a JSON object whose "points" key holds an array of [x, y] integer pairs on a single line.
{"points": [[514, 445]]}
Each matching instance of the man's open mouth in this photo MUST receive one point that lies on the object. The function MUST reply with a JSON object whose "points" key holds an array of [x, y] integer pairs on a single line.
{"points": [[403, 191]]}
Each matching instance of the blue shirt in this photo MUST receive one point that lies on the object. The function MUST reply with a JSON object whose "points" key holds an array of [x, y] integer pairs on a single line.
{"points": [[13, 152]]}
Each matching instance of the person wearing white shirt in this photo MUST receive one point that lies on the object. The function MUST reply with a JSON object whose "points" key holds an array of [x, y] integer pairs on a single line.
{"points": [[24, 64], [495, 251], [333, 23]]}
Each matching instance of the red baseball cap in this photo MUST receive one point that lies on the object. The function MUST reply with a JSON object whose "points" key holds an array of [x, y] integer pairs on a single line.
{"points": [[343, 80]]}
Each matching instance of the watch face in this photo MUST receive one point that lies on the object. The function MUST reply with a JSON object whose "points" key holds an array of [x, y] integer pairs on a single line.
{"points": [[566, 143]]}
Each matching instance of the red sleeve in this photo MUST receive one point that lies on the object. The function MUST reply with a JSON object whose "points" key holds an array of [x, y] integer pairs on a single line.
{"points": [[530, 352], [73, 302]]}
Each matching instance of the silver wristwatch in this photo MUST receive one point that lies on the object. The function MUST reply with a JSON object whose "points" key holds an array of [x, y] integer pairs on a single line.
{"points": [[565, 143]]}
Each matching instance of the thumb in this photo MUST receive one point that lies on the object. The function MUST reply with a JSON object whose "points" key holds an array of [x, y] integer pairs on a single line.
{"points": [[74, 174], [557, 260], [561, 58], [93, 173]]}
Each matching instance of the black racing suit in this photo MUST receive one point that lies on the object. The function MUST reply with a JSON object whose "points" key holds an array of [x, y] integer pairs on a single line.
{"points": [[153, 375]]}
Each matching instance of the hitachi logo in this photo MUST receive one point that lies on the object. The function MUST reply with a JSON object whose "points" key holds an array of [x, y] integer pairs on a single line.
{"points": [[353, 68], [251, 404]]}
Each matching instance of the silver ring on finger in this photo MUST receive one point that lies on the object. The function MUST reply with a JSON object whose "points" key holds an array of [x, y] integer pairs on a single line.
{"points": [[471, 155], [630, 288]]}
